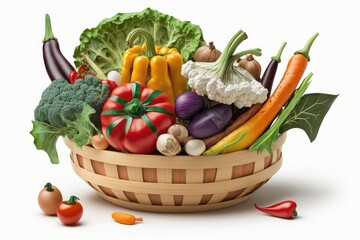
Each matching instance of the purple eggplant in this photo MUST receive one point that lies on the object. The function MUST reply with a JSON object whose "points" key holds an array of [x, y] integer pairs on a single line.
{"points": [[55, 63], [210, 121], [268, 77]]}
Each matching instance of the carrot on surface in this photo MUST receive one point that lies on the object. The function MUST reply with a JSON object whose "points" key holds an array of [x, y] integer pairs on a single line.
{"points": [[247, 133], [125, 218]]}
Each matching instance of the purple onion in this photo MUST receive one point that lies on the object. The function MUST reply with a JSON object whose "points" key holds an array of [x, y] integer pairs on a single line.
{"points": [[210, 121], [188, 104]]}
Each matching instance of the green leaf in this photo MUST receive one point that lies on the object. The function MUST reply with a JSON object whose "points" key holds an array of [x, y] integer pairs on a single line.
{"points": [[135, 90], [83, 126], [106, 43], [265, 141], [118, 100], [309, 114], [158, 109], [45, 138], [128, 124], [149, 124], [114, 124], [113, 112], [79, 130], [151, 97]]}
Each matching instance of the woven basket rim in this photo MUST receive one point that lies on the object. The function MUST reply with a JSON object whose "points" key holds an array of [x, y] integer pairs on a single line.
{"points": [[174, 162], [169, 188]]}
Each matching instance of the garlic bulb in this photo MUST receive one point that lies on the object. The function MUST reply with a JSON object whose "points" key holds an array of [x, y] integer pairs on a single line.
{"points": [[207, 53], [251, 65], [167, 145]]}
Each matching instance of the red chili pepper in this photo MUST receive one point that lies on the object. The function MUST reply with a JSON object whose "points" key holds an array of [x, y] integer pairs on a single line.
{"points": [[285, 209]]}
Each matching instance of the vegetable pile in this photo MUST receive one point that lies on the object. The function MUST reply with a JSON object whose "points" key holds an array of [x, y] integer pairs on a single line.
{"points": [[147, 83]]}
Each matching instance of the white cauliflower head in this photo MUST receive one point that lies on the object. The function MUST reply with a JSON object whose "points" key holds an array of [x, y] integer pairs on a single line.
{"points": [[223, 81], [243, 91]]}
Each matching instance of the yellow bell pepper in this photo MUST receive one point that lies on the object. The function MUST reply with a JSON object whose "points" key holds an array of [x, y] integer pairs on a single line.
{"points": [[157, 67]]}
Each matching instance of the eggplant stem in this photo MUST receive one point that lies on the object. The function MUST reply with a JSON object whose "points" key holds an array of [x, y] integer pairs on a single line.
{"points": [[48, 30], [277, 57]]}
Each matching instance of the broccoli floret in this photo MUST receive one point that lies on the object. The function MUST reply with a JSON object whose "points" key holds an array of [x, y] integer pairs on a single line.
{"points": [[62, 99]]}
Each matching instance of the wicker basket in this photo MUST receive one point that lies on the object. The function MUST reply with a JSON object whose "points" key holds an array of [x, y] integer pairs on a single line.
{"points": [[159, 183]]}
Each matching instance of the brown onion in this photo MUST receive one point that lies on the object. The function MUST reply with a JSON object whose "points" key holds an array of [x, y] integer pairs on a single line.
{"points": [[251, 65], [207, 53], [49, 199]]}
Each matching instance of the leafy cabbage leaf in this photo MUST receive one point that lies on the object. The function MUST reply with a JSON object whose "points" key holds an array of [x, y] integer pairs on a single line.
{"points": [[106, 43], [309, 114]]}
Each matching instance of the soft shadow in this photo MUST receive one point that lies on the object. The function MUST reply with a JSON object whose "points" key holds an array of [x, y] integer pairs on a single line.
{"points": [[270, 193], [78, 224], [95, 199], [276, 191]]}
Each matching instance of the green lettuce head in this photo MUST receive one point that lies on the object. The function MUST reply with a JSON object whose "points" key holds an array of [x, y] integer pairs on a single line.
{"points": [[105, 44]]}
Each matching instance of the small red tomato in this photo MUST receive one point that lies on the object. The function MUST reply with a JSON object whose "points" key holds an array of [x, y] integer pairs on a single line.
{"points": [[49, 199], [83, 69], [73, 76], [70, 212], [112, 85]]}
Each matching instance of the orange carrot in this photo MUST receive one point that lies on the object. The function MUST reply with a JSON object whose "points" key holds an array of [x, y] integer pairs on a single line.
{"points": [[247, 133], [125, 218]]}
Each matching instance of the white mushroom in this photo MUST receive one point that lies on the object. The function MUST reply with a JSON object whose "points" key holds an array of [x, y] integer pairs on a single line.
{"points": [[195, 147], [179, 132], [167, 145]]}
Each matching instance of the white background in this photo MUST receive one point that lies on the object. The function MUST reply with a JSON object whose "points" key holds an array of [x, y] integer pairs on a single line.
{"points": [[322, 177]]}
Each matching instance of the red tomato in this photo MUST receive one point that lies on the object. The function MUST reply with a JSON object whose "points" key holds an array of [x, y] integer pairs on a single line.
{"points": [[69, 212], [134, 116]]}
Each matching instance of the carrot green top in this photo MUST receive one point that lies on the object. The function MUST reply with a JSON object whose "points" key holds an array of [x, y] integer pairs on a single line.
{"points": [[306, 49]]}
